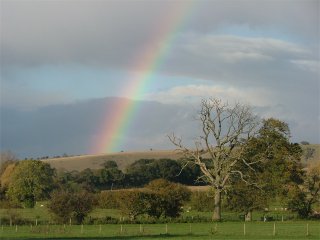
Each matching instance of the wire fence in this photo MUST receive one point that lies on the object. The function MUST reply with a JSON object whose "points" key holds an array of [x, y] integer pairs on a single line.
{"points": [[229, 230]]}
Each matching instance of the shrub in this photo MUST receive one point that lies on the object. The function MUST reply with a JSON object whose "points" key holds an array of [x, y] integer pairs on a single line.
{"points": [[134, 203], [167, 198], [65, 205], [108, 199], [202, 201]]}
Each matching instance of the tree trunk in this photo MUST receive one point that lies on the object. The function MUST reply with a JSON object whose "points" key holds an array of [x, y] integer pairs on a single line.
{"points": [[248, 216], [217, 206]]}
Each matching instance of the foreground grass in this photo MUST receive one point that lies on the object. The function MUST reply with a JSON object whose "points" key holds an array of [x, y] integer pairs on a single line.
{"points": [[224, 230]]}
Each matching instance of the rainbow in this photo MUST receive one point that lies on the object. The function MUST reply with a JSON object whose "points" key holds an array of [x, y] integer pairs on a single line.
{"points": [[146, 64]]}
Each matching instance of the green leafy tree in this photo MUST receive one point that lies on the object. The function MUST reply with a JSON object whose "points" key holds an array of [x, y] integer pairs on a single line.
{"points": [[278, 170], [109, 178], [61, 205], [31, 180], [82, 202], [246, 198], [88, 180], [302, 199], [110, 164], [66, 205], [190, 174], [167, 169], [202, 201], [281, 166], [167, 199], [109, 199], [133, 202]]}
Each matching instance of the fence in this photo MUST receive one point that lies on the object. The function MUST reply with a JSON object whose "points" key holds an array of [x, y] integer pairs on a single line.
{"points": [[300, 230]]}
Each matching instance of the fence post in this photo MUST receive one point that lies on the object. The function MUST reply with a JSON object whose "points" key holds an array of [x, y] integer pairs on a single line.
{"points": [[100, 228], [166, 228], [307, 229], [16, 228], [244, 229], [274, 229], [121, 228], [190, 229]]}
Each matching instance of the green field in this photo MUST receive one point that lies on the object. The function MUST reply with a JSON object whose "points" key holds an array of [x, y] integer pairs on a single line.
{"points": [[231, 228], [41, 213], [225, 230]]}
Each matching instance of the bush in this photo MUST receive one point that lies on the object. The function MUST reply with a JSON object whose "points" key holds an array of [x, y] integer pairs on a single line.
{"points": [[65, 205], [202, 201], [167, 198], [134, 203], [108, 200]]}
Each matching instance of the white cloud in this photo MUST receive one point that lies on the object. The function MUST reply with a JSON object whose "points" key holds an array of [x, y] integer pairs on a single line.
{"points": [[194, 93], [308, 65], [204, 45]]}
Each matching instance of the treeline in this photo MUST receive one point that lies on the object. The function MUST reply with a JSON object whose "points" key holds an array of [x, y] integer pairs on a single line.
{"points": [[158, 199], [137, 174], [33, 180]]}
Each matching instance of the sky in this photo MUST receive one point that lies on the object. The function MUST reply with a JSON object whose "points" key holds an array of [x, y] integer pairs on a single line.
{"points": [[71, 69]]}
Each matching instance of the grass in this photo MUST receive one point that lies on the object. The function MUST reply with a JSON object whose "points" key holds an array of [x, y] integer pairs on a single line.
{"points": [[123, 159], [232, 228], [225, 230], [41, 213]]}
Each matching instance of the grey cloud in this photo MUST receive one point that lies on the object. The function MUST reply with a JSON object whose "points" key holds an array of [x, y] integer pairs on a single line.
{"points": [[72, 128], [284, 68], [114, 33], [297, 18]]}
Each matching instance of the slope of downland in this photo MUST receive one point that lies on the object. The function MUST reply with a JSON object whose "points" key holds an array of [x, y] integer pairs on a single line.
{"points": [[123, 159]]}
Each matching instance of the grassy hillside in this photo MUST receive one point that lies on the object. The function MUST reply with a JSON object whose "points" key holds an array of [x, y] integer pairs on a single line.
{"points": [[311, 154], [123, 159], [5, 176]]}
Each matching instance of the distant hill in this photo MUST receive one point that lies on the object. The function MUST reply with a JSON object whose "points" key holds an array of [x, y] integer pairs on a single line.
{"points": [[123, 159], [311, 154]]}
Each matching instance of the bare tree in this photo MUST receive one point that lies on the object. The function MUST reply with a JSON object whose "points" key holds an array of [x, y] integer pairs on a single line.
{"points": [[225, 130]]}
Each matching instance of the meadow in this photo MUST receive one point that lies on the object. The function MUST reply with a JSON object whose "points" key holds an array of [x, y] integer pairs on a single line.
{"points": [[40, 225], [38, 222], [220, 230]]}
